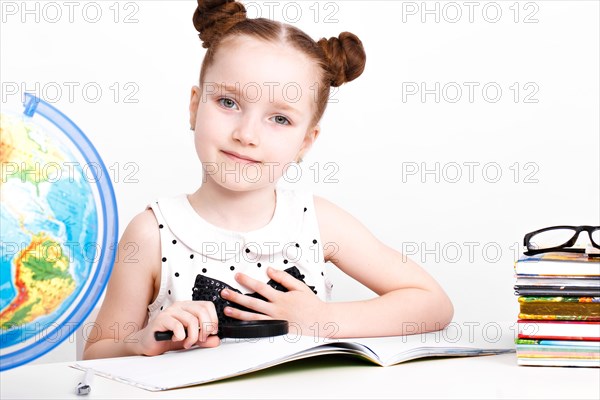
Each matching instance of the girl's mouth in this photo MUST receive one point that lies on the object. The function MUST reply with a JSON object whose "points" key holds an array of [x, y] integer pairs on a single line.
{"points": [[239, 157]]}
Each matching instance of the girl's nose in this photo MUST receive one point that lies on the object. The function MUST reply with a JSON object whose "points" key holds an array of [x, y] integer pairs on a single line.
{"points": [[247, 132]]}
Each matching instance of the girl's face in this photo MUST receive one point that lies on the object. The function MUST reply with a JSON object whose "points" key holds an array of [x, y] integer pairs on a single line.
{"points": [[252, 115]]}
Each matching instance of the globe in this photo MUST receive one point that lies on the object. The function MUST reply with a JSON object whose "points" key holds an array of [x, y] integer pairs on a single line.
{"points": [[58, 230]]}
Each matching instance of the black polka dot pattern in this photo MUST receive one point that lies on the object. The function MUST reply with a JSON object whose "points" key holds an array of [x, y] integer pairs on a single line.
{"points": [[202, 264]]}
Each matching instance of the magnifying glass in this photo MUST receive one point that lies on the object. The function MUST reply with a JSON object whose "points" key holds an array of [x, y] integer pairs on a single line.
{"points": [[209, 289], [242, 330]]}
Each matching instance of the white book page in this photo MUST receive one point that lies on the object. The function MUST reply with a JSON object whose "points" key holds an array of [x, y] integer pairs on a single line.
{"points": [[188, 367], [457, 339]]}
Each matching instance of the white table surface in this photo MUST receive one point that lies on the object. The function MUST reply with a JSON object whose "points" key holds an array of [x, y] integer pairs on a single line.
{"points": [[335, 377]]}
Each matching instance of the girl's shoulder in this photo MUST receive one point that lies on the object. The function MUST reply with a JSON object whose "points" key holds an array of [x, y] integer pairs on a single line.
{"points": [[139, 248], [142, 237], [338, 225], [329, 212], [143, 226]]}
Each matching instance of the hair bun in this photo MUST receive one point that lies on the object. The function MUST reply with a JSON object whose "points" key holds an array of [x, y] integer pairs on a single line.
{"points": [[346, 56], [212, 18]]}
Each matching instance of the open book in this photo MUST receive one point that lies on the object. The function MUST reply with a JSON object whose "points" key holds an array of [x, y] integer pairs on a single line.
{"points": [[241, 356]]}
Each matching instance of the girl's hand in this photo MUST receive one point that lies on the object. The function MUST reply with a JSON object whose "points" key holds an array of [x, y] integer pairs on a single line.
{"points": [[299, 305], [198, 318]]}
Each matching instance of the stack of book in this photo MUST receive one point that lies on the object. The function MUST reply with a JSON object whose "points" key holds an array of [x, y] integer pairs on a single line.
{"points": [[559, 310]]}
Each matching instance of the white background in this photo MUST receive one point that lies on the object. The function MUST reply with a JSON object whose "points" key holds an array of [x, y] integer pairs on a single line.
{"points": [[463, 223]]}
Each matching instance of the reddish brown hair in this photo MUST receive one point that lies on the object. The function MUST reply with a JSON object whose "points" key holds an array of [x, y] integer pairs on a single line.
{"points": [[339, 59]]}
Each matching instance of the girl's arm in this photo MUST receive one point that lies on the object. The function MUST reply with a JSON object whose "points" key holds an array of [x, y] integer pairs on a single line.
{"points": [[410, 300], [120, 328]]}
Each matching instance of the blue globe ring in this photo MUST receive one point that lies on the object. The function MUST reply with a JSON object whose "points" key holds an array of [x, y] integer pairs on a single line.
{"points": [[108, 242]]}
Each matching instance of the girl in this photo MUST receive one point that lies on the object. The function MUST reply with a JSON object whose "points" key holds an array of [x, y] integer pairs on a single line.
{"points": [[263, 89]]}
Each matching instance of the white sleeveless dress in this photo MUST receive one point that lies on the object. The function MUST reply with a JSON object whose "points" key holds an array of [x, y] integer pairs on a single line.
{"points": [[191, 246]]}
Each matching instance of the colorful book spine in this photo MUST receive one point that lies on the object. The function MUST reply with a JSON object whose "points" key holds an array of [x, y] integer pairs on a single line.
{"points": [[559, 308], [558, 352], [561, 264], [562, 330]]}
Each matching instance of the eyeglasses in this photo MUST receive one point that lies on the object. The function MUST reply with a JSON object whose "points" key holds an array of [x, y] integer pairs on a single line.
{"points": [[560, 238]]}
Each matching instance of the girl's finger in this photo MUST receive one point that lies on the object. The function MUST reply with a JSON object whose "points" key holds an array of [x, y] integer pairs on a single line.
{"points": [[211, 341], [286, 280], [244, 315], [169, 323], [179, 321], [256, 286], [206, 325], [206, 314], [250, 302]]}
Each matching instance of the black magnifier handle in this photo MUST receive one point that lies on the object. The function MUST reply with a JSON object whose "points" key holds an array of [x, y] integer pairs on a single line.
{"points": [[163, 336], [241, 329]]}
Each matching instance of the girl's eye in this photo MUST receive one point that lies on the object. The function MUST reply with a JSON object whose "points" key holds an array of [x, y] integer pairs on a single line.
{"points": [[227, 103], [281, 120]]}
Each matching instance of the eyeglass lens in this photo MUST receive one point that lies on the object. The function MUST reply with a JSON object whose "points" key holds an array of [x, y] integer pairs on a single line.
{"points": [[596, 236], [557, 237]]}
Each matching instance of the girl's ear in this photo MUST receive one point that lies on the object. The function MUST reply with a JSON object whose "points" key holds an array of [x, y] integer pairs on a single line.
{"points": [[309, 139], [194, 102]]}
